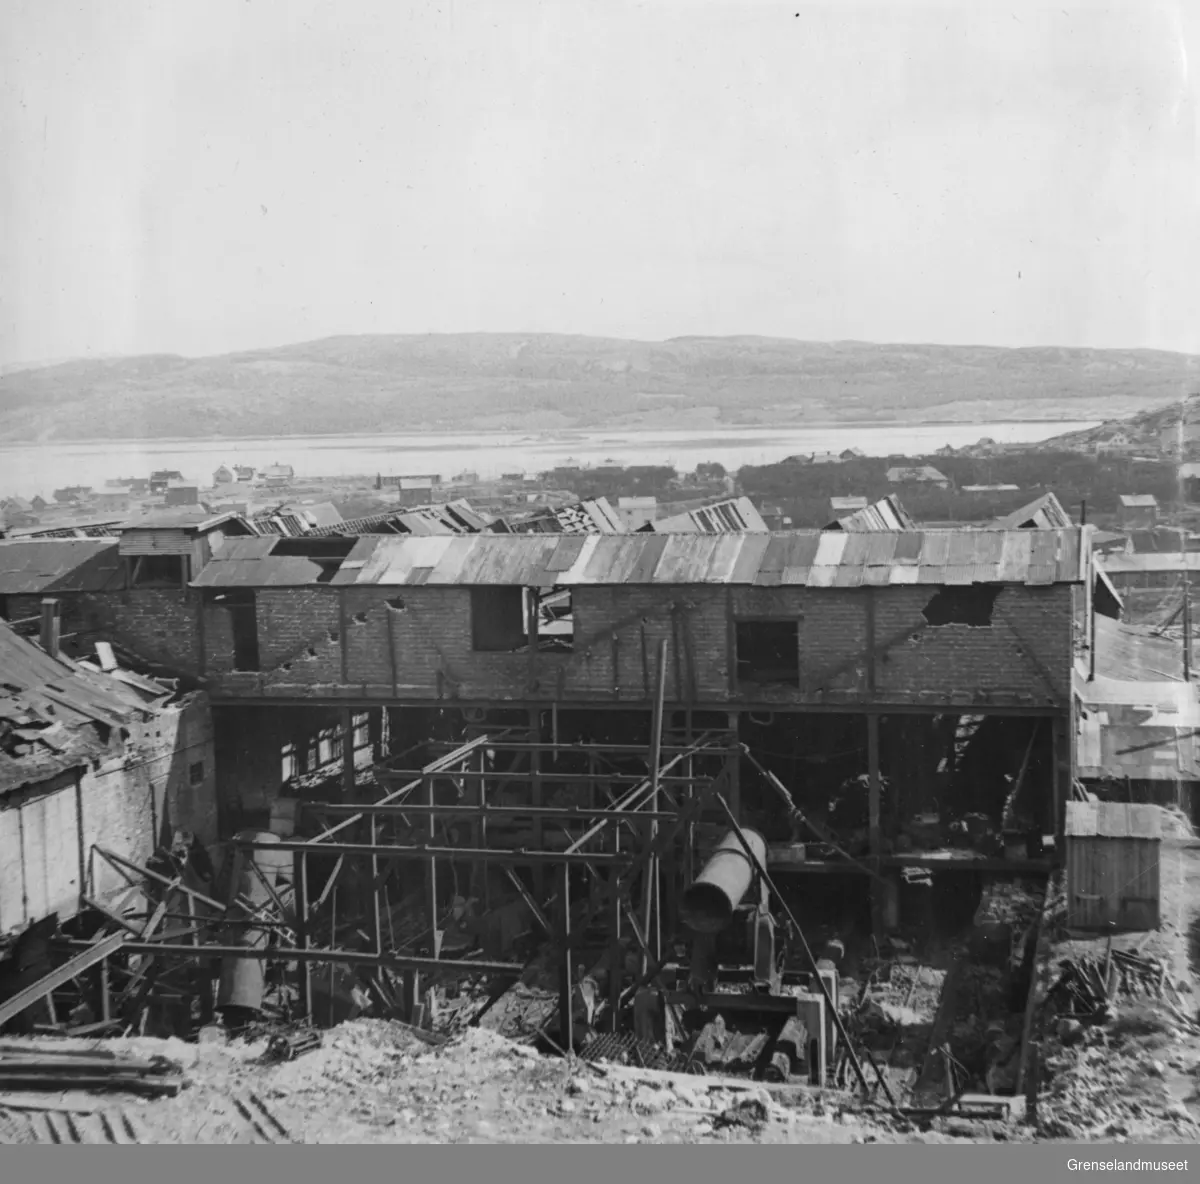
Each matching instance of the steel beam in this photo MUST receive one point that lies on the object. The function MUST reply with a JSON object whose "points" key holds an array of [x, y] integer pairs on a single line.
{"points": [[346, 957], [395, 810], [494, 855]]}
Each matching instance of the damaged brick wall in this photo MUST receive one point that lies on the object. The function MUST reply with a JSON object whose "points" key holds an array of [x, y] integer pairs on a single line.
{"points": [[415, 643], [158, 624]]}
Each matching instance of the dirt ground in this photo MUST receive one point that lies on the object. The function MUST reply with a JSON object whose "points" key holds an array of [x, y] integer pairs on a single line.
{"points": [[1137, 1077], [372, 1081]]}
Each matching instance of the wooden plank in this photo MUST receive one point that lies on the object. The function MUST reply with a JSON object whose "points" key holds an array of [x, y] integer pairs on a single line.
{"points": [[104, 948]]}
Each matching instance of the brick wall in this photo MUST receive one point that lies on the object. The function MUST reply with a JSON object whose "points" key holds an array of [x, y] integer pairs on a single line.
{"points": [[154, 623], [415, 643]]}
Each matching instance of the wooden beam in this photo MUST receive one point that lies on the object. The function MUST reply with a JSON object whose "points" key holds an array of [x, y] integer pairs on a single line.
{"points": [[97, 952]]}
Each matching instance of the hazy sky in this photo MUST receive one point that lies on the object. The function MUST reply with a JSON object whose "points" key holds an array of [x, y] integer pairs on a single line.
{"points": [[204, 175]]}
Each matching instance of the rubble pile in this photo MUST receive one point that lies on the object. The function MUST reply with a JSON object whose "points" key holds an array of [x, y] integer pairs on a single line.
{"points": [[1116, 1082]]}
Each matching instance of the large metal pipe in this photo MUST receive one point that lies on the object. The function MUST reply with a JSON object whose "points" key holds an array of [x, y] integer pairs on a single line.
{"points": [[243, 980], [708, 905]]}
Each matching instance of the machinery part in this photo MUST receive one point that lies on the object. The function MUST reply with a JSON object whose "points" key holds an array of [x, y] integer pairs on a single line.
{"points": [[708, 905], [244, 979], [286, 1046]]}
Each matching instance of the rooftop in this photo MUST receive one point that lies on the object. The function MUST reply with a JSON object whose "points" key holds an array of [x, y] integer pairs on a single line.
{"points": [[811, 558], [1044, 513], [41, 566], [1113, 820], [55, 713]]}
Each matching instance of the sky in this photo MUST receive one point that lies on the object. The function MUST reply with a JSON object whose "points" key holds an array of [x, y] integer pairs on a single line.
{"points": [[201, 176]]}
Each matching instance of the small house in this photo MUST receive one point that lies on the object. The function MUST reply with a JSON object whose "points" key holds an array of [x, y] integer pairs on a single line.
{"points": [[1113, 879], [222, 476], [917, 475], [277, 476], [161, 478], [635, 512], [166, 547], [826, 458], [243, 472], [847, 505], [1139, 511], [180, 493]]}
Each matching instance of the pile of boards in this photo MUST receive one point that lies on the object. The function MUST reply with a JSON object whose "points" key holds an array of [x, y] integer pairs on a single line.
{"points": [[25, 1069]]}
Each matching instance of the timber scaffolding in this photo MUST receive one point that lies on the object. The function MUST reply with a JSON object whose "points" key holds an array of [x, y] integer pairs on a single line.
{"points": [[600, 875]]}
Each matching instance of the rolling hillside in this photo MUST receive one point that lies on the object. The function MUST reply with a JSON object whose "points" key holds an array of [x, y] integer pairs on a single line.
{"points": [[546, 382]]}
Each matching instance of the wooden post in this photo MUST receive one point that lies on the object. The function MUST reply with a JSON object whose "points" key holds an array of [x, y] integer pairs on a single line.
{"points": [[873, 807], [616, 957], [376, 908], [435, 935], [566, 990], [735, 770], [300, 876], [652, 923], [51, 626], [536, 798], [348, 775]]}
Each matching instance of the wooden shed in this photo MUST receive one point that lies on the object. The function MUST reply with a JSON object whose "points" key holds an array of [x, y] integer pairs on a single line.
{"points": [[1113, 853]]}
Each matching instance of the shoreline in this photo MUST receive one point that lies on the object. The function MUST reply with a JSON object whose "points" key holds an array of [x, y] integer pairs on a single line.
{"points": [[701, 433]]}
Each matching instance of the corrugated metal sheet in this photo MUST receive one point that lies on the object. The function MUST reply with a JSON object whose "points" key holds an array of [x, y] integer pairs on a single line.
{"points": [[1043, 513], [57, 704], [734, 515], [884, 515], [1134, 654], [58, 565], [817, 559], [1113, 820]]}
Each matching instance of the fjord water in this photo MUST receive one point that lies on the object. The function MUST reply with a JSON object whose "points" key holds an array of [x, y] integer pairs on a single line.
{"points": [[28, 469]]}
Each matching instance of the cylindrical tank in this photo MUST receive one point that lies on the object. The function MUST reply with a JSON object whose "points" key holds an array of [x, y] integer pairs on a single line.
{"points": [[708, 905], [243, 979]]}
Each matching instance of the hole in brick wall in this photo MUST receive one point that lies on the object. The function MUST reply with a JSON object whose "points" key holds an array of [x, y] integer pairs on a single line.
{"points": [[970, 605], [310, 652], [360, 618], [768, 652], [396, 602], [333, 635]]}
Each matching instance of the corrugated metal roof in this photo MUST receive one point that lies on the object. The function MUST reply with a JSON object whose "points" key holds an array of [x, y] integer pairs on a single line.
{"points": [[586, 517], [177, 518], [809, 558], [1135, 654], [35, 566], [1043, 513], [733, 515], [1113, 820], [885, 514], [1139, 500], [1161, 562]]}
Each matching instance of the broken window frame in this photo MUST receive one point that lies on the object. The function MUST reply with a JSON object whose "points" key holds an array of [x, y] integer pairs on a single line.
{"points": [[742, 680], [512, 610], [241, 605], [159, 571], [971, 605]]}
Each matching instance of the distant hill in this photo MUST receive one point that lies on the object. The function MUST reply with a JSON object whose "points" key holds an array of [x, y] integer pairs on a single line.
{"points": [[532, 382]]}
